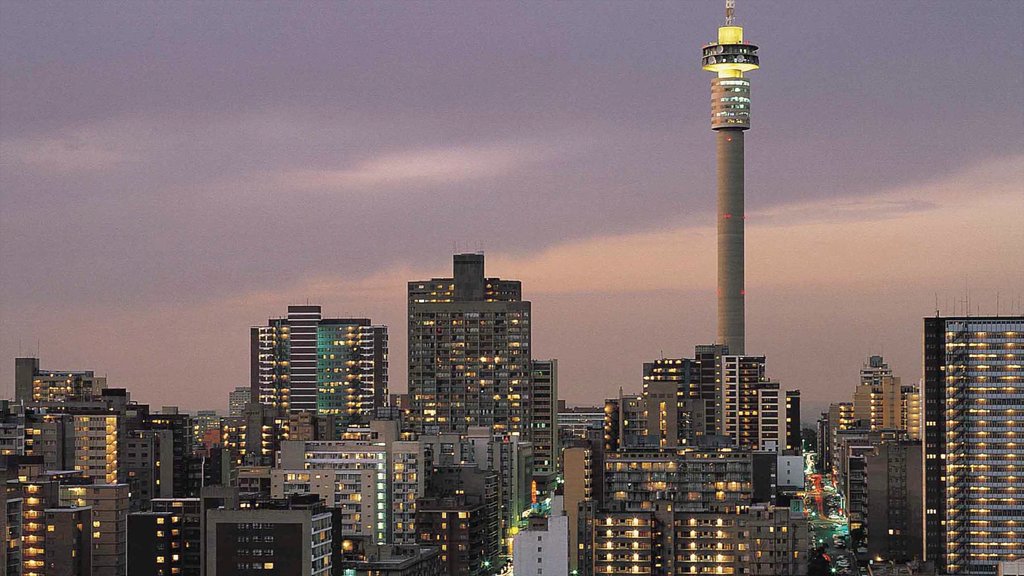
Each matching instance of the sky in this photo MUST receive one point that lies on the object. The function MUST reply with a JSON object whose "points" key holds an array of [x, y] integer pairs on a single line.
{"points": [[174, 173]]}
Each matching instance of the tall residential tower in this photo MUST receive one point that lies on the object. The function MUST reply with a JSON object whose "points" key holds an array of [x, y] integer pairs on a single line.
{"points": [[308, 363], [729, 58]]}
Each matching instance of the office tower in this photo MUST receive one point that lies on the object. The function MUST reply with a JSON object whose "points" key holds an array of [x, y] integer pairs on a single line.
{"points": [[543, 547], [237, 399], [730, 57], [109, 503], [793, 441], [543, 420], [271, 536], [974, 388], [469, 351], [33, 384], [306, 362], [895, 482]]}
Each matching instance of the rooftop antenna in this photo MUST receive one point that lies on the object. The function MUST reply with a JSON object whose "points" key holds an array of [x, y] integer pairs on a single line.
{"points": [[730, 12]]}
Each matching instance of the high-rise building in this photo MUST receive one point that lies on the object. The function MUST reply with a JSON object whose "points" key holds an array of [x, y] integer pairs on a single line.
{"points": [[748, 404], [459, 526], [109, 503], [11, 520], [33, 384], [543, 547], [872, 372], [895, 479], [68, 546], [974, 388], [672, 390], [237, 399], [579, 471], [730, 57], [155, 546], [544, 423], [793, 430], [306, 362], [469, 351], [167, 540], [270, 536]]}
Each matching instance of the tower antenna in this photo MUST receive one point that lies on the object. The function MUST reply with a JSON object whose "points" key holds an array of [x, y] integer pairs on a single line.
{"points": [[730, 12]]}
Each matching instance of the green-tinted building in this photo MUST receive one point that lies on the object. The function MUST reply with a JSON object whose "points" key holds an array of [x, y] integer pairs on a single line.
{"points": [[326, 365]]}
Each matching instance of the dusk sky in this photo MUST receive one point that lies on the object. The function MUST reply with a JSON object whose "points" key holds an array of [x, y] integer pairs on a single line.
{"points": [[172, 173]]}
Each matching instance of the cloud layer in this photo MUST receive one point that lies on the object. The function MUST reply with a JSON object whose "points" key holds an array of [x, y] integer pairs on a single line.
{"points": [[173, 173]]}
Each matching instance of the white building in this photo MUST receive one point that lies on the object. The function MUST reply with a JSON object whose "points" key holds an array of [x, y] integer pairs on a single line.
{"points": [[542, 549], [790, 472]]}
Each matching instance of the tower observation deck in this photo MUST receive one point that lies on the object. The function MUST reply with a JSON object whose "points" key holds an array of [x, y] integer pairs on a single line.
{"points": [[730, 57]]}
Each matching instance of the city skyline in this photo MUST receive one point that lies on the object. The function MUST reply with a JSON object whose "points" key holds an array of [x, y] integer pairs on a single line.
{"points": [[847, 216]]}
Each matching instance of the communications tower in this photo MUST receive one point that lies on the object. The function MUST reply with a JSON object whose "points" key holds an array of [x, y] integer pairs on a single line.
{"points": [[730, 57]]}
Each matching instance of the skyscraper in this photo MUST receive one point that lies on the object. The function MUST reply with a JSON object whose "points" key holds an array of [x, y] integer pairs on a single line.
{"points": [[730, 57], [469, 351], [306, 362], [974, 390]]}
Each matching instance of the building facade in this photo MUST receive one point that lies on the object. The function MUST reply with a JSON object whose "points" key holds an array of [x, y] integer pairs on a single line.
{"points": [[974, 390], [305, 362], [469, 351]]}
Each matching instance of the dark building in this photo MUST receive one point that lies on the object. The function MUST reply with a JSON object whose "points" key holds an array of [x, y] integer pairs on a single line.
{"points": [[166, 540], [270, 537], [544, 423], [68, 548], [458, 525], [153, 549], [389, 560], [469, 351], [895, 480], [793, 428]]}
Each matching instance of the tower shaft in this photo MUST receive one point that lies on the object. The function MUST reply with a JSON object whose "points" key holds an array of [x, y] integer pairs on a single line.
{"points": [[731, 314], [729, 58]]}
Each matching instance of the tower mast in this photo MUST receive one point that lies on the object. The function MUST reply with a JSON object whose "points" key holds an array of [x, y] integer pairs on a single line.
{"points": [[730, 57]]}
